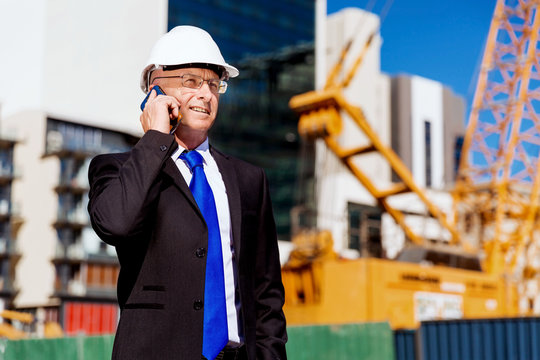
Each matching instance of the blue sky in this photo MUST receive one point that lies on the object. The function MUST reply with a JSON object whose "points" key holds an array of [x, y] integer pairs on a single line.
{"points": [[441, 40]]}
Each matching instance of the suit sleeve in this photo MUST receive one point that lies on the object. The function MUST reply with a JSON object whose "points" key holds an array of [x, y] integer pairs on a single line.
{"points": [[123, 188], [269, 292]]}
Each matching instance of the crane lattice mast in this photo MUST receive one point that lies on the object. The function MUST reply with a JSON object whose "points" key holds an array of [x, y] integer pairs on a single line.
{"points": [[497, 190]]}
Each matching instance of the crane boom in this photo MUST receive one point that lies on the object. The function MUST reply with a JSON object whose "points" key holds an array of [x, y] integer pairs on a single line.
{"points": [[321, 117], [499, 181]]}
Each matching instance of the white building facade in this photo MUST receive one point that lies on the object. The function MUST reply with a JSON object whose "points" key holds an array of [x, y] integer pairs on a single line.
{"points": [[70, 88]]}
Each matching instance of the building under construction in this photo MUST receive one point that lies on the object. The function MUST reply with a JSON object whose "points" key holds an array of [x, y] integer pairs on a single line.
{"points": [[406, 216], [433, 243]]}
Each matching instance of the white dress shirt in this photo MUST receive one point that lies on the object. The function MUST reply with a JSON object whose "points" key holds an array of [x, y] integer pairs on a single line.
{"points": [[217, 185]]}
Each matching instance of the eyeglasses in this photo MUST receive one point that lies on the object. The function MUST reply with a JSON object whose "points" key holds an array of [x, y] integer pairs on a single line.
{"points": [[195, 82]]}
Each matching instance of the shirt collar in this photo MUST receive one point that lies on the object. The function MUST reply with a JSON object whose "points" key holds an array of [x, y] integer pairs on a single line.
{"points": [[203, 149]]}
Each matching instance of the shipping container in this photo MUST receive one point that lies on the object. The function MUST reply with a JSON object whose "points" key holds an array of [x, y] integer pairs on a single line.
{"points": [[405, 344], [480, 339]]}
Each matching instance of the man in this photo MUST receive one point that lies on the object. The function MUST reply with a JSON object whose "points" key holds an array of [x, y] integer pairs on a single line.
{"points": [[167, 202]]}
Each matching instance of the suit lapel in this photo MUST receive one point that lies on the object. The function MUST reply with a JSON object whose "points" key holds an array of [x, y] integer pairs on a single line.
{"points": [[230, 179], [172, 171]]}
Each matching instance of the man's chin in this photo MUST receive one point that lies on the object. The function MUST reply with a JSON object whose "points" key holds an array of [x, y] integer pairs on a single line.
{"points": [[198, 125]]}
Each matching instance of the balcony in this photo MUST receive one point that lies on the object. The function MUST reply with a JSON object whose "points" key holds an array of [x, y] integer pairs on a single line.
{"points": [[8, 248], [7, 288], [96, 281], [63, 188], [73, 176], [83, 245], [76, 253]]}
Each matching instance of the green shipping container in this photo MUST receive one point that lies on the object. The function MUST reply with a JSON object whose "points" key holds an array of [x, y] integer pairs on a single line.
{"points": [[365, 341]]}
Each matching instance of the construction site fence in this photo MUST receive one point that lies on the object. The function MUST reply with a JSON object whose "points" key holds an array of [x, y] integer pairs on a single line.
{"points": [[362, 341], [68, 348], [479, 339], [351, 341]]}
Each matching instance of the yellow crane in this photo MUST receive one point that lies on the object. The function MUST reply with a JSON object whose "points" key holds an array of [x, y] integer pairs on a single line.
{"points": [[498, 187], [498, 176], [321, 116], [496, 195]]}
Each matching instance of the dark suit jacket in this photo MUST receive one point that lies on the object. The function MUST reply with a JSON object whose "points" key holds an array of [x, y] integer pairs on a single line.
{"points": [[140, 203]]}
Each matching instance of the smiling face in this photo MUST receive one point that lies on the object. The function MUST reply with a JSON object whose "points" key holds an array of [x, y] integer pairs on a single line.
{"points": [[198, 106]]}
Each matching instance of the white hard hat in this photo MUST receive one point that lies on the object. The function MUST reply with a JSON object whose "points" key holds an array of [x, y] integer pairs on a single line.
{"points": [[185, 45]]}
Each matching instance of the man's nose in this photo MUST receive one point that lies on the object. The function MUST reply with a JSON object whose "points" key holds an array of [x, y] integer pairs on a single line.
{"points": [[205, 92]]}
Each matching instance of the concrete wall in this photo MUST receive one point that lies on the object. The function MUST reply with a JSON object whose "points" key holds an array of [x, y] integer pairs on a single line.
{"points": [[426, 106], [33, 194], [22, 45], [414, 101], [78, 61], [401, 119], [454, 127]]}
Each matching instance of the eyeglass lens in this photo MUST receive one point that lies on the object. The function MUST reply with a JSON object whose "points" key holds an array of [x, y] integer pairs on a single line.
{"points": [[195, 82]]}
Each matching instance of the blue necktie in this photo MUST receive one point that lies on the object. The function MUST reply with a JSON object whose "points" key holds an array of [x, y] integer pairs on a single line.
{"points": [[215, 332]]}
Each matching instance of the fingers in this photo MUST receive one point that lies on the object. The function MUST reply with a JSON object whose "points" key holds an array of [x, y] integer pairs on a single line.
{"points": [[175, 112], [158, 111], [153, 94]]}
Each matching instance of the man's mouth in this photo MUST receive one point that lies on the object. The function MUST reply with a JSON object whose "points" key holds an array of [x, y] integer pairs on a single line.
{"points": [[200, 109]]}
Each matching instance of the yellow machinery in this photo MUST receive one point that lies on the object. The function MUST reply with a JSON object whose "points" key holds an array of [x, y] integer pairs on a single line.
{"points": [[498, 194], [370, 289], [8, 330], [15, 326]]}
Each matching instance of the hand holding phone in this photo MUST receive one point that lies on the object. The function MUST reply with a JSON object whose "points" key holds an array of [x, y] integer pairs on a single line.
{"points": [[173, 121]]}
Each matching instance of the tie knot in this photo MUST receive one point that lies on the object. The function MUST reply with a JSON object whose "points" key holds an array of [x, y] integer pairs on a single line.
{"points": [[193, 159]]}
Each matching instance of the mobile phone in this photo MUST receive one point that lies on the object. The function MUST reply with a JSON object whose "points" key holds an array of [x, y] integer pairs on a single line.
{"points": [[159, 91]]}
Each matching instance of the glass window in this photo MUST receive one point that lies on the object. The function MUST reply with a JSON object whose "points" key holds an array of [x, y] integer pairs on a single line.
{"points": [[66, 136], [266, 42], [365, 230], [458, 144], [427, 138]]}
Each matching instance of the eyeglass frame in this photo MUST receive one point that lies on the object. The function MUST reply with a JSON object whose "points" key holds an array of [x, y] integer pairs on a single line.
{"points": [[222, 84]]}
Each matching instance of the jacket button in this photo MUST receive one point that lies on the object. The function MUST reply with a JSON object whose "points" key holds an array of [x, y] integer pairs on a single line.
{"points": [[198, 304], [163, 148], [200, 252]]}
